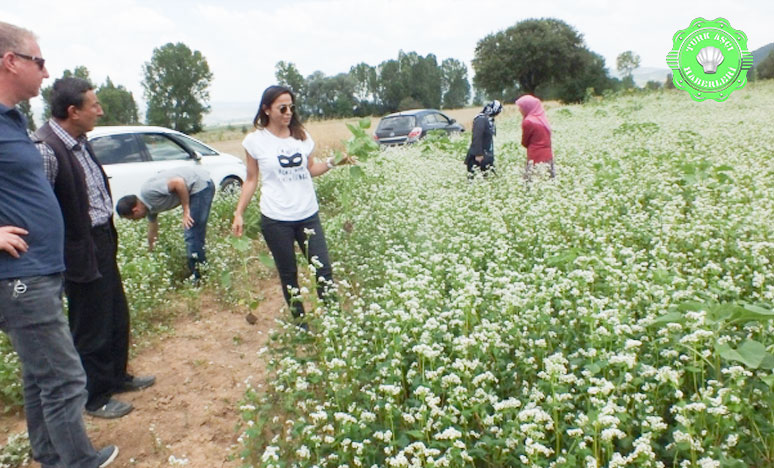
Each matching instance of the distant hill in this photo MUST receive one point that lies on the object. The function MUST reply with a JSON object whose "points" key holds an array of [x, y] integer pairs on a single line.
{"points": [[760, 54]]}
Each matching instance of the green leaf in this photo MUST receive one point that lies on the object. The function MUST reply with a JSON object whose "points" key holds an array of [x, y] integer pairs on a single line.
{"points": [[338, 156], [267, 260], [241, 244], [416, 434], [365, 123], [670, 317], [768, 380], [356, 172], [357, 131], [751, 353], [225, 279]]}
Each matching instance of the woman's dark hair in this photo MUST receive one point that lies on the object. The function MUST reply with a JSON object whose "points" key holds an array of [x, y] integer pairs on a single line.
{"points": [[271, 94], [68, 92]]}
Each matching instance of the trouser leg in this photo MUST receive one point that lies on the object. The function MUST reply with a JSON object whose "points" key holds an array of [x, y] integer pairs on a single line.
{"points": [[279, 237], [99, 321], [31, 313], [195, 237]]}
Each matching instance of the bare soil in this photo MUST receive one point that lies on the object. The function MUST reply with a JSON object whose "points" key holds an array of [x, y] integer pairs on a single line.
{"points": [[190, 416]]}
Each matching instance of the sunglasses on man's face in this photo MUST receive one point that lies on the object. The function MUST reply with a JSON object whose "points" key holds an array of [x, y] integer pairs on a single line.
{"points": [[284, 108], [41, 62]]}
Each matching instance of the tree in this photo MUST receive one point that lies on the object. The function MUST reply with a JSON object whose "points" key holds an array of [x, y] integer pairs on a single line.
{"points": [[588, 78], [175, 84], [529, 54], [765, 69], [455, 87], [626, 63], [653, 85], [26, 109], [118, 105], [669, 82], [288, 75], [532, 53], [78, 72], [391, 88], [330, 96]]}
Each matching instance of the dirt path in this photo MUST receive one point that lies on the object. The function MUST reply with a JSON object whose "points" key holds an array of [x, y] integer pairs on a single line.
{"points": [[189, 417]]}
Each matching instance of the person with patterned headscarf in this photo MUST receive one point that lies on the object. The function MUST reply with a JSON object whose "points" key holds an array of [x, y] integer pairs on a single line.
{"points": [[535, 133], [481, 151]]}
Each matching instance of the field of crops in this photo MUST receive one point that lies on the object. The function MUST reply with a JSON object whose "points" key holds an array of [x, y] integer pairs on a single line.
{"points": [[618, 315]]}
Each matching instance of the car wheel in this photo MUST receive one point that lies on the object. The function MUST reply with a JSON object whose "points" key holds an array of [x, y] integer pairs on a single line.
{"points": [[230, 185]]}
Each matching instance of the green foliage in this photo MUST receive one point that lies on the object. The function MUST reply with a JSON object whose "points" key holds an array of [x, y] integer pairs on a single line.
{"points": [[288, 75], [535, 53], [16, 452], [329, 97], [455, 87], [11, 391], [627, 62], [78, 72], [118, 105], [25, 108], [765, 69], [616, 315], [176, 82]]}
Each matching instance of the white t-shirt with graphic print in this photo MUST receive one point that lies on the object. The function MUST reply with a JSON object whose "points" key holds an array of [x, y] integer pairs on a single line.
{"points": [[287, 191]]}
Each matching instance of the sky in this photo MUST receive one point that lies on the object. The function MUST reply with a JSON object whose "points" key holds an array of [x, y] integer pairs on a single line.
{"points": [[243, 40]]}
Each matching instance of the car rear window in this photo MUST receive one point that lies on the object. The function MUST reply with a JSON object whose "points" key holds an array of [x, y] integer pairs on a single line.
{"points": [[116, 149], [397, 124]]}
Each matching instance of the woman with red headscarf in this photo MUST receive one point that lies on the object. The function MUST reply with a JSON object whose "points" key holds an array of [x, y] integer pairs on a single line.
{"points": [[535, 133]]}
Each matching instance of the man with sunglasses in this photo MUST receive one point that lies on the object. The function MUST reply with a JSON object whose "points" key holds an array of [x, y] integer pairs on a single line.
{"points": [[189, 187], [98, 310], [31, 266]]}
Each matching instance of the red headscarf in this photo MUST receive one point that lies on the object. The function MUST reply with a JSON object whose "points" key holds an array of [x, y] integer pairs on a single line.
{"points": [[532, 109]]}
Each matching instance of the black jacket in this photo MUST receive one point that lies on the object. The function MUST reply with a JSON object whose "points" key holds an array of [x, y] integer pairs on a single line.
{"points": [[482, 141], [70, 189]]}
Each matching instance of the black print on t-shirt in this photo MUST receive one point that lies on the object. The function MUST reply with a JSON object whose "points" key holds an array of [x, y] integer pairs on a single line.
{"points": [[290, 161]]}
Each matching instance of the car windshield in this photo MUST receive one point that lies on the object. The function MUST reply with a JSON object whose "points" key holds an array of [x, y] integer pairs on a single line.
{"points": [[399, 123]]}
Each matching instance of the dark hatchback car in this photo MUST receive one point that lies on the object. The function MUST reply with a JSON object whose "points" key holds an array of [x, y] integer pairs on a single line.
{"points": [[411, 125]]}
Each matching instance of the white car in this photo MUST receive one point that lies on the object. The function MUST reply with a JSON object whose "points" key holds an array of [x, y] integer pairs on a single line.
{"points": [[131, 155]]}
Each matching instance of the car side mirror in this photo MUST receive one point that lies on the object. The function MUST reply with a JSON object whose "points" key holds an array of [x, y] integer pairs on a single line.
{"points": [[453, 121], [197, 156]]}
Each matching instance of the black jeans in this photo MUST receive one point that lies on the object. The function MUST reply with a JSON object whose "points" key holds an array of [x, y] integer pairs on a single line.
{"points": [[280, 237], [99, 322]]}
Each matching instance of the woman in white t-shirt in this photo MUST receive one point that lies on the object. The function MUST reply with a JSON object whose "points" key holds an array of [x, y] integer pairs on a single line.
{"points": [[279, 149]]}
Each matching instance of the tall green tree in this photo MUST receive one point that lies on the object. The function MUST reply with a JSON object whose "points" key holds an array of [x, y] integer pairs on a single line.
{"points": [[288, 75], [455, 87], [78, 72], [330, 96], [118, 105], [176, 82], [391, 88], [530, 54], [25, 108], [765, 69], [626, 63], [366, 88]]}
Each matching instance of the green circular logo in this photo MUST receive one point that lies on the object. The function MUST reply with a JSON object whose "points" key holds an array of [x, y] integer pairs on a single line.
{"points": [[709, 59]]}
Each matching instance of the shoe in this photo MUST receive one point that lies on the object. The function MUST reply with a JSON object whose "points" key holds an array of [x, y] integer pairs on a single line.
{"points": [[111, 410], [132, 383], [106, 455]]}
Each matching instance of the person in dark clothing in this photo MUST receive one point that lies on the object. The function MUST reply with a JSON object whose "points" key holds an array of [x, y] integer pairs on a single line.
{"points": [[481, 151], [31, 265], [98, 312]]}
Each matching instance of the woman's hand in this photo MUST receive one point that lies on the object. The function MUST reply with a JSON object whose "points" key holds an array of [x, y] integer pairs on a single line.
{"points": [[237, 226]]}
